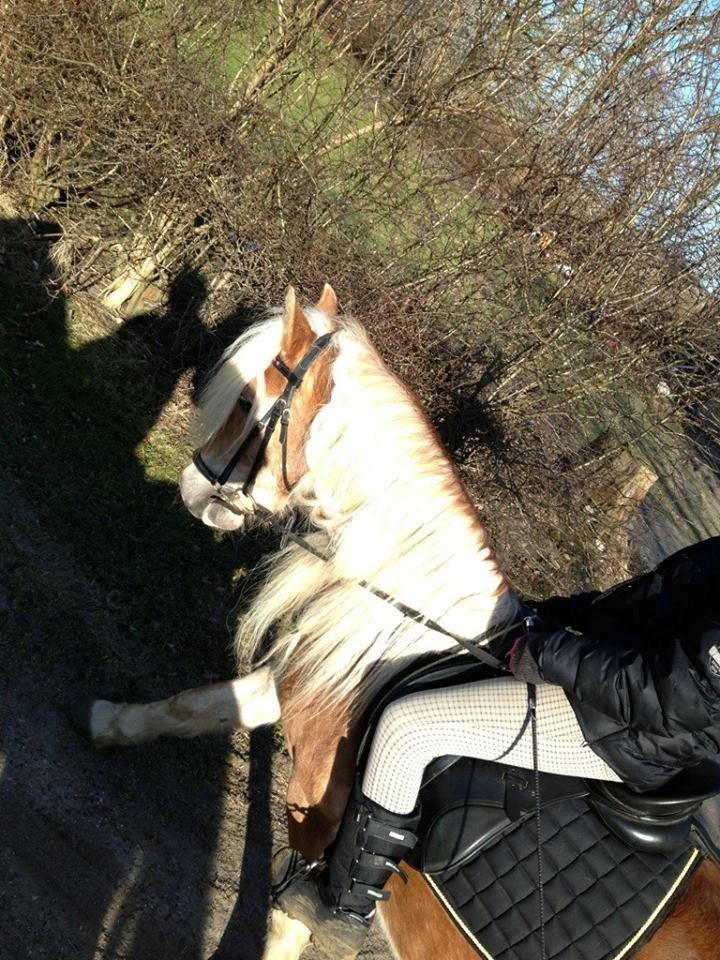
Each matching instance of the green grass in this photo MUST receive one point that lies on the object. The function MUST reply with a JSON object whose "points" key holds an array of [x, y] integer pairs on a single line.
{"points": [[320, 98]]}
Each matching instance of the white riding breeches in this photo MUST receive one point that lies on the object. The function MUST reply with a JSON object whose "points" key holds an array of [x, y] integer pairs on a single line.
{"points": [[479, 720]]}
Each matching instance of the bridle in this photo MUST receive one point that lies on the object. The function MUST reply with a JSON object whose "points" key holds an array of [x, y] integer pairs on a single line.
{"points": [[279, 412]]}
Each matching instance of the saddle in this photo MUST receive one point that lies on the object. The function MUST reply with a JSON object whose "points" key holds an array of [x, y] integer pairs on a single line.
{"points": [[614, 862]]}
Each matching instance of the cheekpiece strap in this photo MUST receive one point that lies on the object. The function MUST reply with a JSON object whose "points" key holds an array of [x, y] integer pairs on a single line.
{"points": [[279, 412], [285, 370], [295, 376]]}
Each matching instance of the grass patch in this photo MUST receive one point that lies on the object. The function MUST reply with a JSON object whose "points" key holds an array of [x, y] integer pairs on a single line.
{"points": [[386, 200]]}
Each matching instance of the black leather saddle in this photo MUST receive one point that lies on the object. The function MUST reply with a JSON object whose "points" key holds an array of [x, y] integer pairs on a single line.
{"points": [[467, 803], [660, 820]]}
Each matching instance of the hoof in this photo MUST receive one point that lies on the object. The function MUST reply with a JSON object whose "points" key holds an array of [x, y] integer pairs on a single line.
{"points": [[80, 714], [336, 934]]}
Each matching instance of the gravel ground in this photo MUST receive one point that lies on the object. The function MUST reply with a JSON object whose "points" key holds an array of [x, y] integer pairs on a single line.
{"points": [[150, 853], [108, 587]]}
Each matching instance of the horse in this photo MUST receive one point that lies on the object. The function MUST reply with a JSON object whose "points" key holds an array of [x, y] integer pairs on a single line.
{"points": [[356, 458]]}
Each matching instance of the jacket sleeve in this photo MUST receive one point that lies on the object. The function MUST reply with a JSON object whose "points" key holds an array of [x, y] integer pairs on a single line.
{"points": [[667, 689], [571, 611]]}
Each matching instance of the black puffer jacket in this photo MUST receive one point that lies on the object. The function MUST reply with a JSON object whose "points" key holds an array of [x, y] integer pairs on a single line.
{"points": [[643, 672]]}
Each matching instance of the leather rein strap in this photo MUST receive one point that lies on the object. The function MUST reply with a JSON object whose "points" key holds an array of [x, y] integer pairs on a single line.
{"points": [[472, 645], [279, 412]]}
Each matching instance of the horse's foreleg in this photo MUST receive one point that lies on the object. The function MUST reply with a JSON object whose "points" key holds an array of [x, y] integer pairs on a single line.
{"points": [[248, 702], [287, 938]]}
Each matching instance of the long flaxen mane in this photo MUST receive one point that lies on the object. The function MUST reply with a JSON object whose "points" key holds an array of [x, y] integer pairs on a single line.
{"points": [[385, 506]]}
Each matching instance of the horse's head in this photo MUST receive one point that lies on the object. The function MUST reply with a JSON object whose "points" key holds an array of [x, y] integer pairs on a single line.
{"points": [[255, 415]]}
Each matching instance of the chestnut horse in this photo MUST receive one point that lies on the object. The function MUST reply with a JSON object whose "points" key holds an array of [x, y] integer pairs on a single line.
{"points": [[356, 458]]}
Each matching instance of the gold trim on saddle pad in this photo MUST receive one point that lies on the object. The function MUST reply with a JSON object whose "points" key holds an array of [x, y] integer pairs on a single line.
{"points": [[660, 907], [624, 950], [458, 919]]}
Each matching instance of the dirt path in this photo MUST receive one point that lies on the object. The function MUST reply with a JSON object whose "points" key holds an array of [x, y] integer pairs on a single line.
{"points": [[109, 587], [122, 854], [153, 853]]}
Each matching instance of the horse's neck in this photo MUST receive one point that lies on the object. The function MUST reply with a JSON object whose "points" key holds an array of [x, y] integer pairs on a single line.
{"points": [[410, 528], [447, 571], [397, 518]]}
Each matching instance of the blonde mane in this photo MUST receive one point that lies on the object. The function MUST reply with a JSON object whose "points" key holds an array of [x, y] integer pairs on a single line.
{"points": [[386, 507]]}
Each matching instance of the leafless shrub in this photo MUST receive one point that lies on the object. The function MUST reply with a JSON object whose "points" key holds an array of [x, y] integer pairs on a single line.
{"points": [[522, 201]]}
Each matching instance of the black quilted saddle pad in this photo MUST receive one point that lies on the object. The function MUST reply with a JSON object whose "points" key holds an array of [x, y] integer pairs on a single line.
{"points": [[602, 899]]}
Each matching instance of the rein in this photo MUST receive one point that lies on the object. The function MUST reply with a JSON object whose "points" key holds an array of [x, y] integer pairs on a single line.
{"points": [[279, 412], [473, 645]]}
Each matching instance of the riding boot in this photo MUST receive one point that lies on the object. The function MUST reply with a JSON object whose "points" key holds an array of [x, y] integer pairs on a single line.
{"points": [[337, 902]]}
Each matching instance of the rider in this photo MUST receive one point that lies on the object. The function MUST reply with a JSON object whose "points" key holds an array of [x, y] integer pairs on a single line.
{"points": [[629, 690]]}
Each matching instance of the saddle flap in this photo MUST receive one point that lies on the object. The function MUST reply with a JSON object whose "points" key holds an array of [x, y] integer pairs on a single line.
{"points": [[470, 803], [459, 833]]}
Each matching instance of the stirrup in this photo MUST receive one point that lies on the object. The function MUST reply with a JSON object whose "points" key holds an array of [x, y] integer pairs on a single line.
{"points": [[340, 934], [296, 868]]}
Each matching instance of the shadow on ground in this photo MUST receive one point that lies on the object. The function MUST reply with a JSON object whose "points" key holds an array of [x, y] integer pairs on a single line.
{"points": [[106, 585]]}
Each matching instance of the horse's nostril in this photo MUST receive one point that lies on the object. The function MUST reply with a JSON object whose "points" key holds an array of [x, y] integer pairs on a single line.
{"points": [[220, 515]]}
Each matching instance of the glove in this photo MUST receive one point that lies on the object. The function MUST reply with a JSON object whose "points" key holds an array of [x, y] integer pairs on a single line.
{"points": [[521, 662]]}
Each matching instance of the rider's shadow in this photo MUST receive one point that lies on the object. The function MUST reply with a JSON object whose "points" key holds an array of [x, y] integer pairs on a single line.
{"points": [[110, 586]]}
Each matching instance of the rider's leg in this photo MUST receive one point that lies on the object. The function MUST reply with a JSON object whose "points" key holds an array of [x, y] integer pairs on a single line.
{"points": [[481, 720]]}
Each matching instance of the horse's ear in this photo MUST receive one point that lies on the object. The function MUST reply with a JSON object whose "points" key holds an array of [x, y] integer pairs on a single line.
{"points": [[328, 301], [297, 332]]}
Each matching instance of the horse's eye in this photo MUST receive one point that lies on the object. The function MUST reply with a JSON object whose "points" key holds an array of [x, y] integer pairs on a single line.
{"points": [[244, 403]]}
